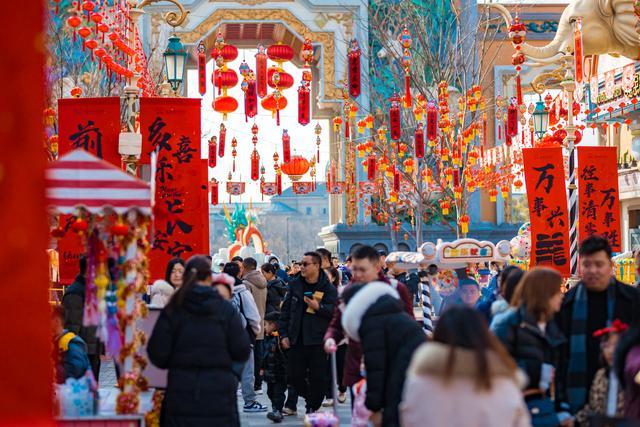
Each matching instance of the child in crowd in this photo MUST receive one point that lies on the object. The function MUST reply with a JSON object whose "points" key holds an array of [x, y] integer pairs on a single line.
{"points": [[605, 394], [274, 365], [70, 351]]}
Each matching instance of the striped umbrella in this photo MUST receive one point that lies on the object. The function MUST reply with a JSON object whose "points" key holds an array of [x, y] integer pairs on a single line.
{"points": [[79, 179]]}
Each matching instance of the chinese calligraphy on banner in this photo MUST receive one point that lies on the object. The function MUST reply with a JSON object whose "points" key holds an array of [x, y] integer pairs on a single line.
{"points": [[181, 224], [599, 203], [94, 125], [546, 193]]}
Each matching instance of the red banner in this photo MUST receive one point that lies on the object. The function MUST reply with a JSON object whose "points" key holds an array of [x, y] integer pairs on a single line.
{"points": [[92, 124], [598, 197], [546, 193], [181, 229], [302, 187]]}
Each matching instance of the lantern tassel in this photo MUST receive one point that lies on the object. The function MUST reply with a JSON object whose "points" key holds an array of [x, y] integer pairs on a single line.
{"points": [[408, 102]]}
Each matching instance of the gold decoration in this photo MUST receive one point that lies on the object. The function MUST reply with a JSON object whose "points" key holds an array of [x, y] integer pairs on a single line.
{"points": [[171, 17]]}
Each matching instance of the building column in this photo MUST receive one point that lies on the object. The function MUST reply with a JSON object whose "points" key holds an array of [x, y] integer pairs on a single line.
{"points": [[624, 225]]}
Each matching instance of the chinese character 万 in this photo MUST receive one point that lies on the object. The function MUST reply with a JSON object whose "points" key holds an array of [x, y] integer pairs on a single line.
{"points": [[589, 210], [539, 206], [159, 140], [545, 177], [608, 197], [184, 150], [88, 137], [556, 213], [588, 173], [550, 249]]}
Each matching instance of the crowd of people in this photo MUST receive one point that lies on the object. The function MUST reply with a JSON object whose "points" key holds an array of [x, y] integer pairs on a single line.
{"points": [[526, 349]]}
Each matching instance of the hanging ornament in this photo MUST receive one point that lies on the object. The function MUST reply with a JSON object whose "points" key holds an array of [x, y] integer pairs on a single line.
{"points": [[202, 69], [286, 146], [318, 131], [432, 122], [304, 104], [274, 102], [464, 224], [74, 21], [405, 41], [578, 55], [213, 155], [418, 138], [354, 68], [261, 71], [306, 53], [517, 34], [255, 165], [396, 180], [512, 120], [394, 119], [234, 152], [248, 86], [371, 167], [221, 140], [214, 191]]}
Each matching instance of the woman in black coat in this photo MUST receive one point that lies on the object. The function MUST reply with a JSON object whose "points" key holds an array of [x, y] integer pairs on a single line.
{"points": [[197, 338], [375, 317]]}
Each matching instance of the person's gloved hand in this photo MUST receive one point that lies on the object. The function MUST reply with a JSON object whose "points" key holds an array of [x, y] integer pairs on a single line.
{"points": [[330, 346]]}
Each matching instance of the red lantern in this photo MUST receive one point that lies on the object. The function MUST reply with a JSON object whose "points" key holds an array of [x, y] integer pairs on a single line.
{"points": [[304, 105], [354, 68], [221, 140], [280, 52], [202, 69], [225, 105], [255, 165], [74, 22], [79, 226], [394, 120], [296, 167], [274, 103], [213, 148], [224, 79], [57, 233], [120, 229], [214, 192], [261, 72], [286, 146], [96, 18], [285, 81], [418, 137], [84, 32], [371, 167], [432, 122], [228, 52], [512, 120]]}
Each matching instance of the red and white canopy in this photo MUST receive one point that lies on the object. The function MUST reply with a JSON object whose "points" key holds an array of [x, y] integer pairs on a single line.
{"points": [[79, 179]]}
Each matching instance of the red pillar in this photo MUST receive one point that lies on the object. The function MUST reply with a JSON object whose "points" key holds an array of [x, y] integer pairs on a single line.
{"points": [[25, 372]]}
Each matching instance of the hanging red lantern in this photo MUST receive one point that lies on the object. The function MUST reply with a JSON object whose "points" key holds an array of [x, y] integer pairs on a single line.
{"points": [[304, 105], [286, 146], [202, 69], [354, 68], [97, 18], [214, 191], [274, 102], [296, 167], [261, 71], [418, 138], [213, 152], [223, 52], [255, 165], [119, 229], [91, 44], [221, 140], [285, 81], [280, 53], [512, 120], [394, 119], [224, 79], [74, 22], [79, 226], [225, 105], [371, 167], [84, 32]]}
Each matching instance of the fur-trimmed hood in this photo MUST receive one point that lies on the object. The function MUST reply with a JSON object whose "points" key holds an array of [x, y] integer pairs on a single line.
{"points": [[362, 301], [431, 359]]}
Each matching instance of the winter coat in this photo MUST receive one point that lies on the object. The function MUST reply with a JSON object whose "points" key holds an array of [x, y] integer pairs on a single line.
{"points": [[354, 349], [632, 388], [73, 303], [248, 310], [389, 336], [294, 308], [457, 402], [282, 275], [257, 285], [598, 395], [627, 310], [276, 290], [71, 357], [198, 343], [275, 360], [160, 293], [410, 280], [528, 345]]}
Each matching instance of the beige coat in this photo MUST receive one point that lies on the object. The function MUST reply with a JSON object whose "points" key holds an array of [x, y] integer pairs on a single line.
{"points": [[257, 285], [429, 400]]}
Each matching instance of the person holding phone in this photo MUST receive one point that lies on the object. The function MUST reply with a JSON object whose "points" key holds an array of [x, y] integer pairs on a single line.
{"points": [[306, 312]]}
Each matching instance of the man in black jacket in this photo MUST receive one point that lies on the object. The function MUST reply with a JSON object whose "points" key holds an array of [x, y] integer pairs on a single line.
{"points": [[73, 303], [594, 302], [306, 312]]}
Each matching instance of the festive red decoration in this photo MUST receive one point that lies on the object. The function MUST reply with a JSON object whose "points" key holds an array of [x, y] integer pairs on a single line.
{"points": [[255, 165], [250, 97], [213, 152], [295, 168], [354, 68], [74, 22], [286, 146], [306, 53], [214, 191], [225, 105], [617, 327], [371, 167], [394, 120], [227, 52], [577, 55], [285, 81], [304, 105], [512, 120], [418, 139], [274, 103], [79, 226], [57, 232], [224, 79], [396, 180], [280, 52], [202, 69], [221, 140], [120, 229], [261, 71]]}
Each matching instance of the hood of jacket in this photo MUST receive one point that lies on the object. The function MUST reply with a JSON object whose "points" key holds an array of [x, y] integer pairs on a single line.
{"points": [[277, 283], [202, 300], [161, 287], [256, 278], [361, 303], [431, 359]]}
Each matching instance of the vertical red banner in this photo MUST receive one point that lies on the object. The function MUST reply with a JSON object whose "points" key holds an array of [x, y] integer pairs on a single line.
{"points": [[92, 124], [171, 126], [598, 196], [546, 193]]}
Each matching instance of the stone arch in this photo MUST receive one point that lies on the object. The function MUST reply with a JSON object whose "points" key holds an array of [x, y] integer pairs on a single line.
{"points": [[404, 247]]}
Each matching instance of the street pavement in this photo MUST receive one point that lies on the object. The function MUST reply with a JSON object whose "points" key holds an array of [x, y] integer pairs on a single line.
{"points": [[109, 392]]}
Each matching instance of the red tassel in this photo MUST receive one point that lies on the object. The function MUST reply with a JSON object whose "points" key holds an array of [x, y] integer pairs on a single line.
{"points": [[577, 37], [408, 102], [277, 117], [279, 183], [347, 135]]}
